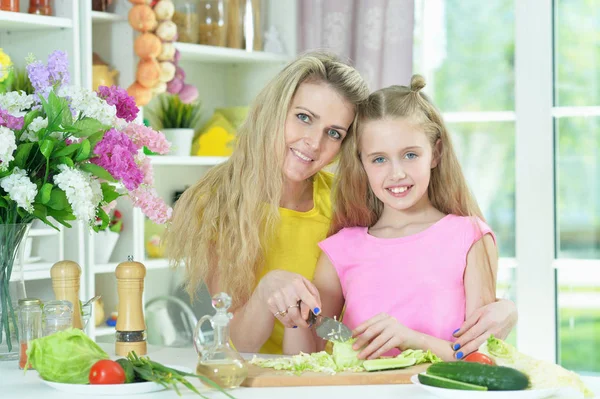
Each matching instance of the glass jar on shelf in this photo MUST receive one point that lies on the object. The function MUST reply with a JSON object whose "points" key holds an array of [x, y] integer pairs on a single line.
{"points": [[58, 316], [186, 19], [212, 16], [40, 7], [9, 5]]}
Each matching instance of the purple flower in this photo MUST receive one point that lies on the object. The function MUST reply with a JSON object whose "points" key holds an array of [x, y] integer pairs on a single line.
{"points": [[11, 122], [43, 77], [116, 154], [39, 76], [58, 67], [125, 104]]}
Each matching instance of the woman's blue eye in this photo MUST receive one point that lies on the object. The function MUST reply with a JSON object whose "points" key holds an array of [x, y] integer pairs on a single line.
{"points": [[334, 134], [411, 155], [303, 117], [379, 160]]}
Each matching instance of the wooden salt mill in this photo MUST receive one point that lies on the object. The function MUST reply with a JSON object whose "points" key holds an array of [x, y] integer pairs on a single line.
{"points": [[131, 327], [65, 282]]}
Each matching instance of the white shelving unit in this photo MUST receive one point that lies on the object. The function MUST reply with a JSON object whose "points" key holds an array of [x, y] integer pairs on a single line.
{"points": [[224, 77]]}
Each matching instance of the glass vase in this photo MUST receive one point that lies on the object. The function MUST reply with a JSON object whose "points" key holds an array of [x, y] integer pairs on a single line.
{"points": [[12, 286]]}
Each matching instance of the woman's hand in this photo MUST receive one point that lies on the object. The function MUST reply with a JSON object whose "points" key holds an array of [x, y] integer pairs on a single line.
{"points": [[281, 292], [380, 334], [497, 318]]}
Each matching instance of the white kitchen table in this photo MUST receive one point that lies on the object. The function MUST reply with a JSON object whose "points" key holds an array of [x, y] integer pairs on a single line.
{"points": [[14, 384]]}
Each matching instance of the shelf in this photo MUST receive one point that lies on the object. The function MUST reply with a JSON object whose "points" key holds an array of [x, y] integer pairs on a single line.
{"points": [[20, 21], [186, 161], [99, 17], [156, 264], [104, 331], [105, 268], [42, 232], [215, 54], [34, 271]]}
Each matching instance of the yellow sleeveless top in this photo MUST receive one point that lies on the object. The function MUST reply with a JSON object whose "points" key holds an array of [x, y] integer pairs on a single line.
{"points": [[294, 247]]}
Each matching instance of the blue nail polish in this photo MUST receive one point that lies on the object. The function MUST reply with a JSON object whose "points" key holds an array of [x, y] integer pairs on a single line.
{"points": [[459, 355], [455, 331], [456, 346], [295, 327], [316, 310]]}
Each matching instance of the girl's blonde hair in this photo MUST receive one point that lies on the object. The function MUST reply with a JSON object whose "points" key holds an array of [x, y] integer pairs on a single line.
{"points": [[221, 225], [355, 204]]}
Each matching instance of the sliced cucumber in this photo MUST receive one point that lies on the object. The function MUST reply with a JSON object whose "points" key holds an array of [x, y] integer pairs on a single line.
{"points": [[441, 382], [388, 364]]}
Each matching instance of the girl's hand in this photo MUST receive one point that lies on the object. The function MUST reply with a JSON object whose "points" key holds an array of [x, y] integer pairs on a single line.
{"points": [[382, 333], [281, 290], [497, 318]]}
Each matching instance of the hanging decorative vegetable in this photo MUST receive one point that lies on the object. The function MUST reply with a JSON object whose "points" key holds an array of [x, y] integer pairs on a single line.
{"points": [[158, 69]]}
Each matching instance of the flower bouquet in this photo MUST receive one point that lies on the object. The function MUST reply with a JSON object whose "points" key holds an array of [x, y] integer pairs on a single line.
{"points": [[65, 153]]}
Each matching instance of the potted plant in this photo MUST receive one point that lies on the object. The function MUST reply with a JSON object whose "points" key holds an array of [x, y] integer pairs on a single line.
{"points": [[177, 120], [106, 240]]}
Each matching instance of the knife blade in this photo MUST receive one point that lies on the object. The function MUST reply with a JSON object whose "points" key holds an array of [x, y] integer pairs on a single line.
{"points": [[329, 329]]}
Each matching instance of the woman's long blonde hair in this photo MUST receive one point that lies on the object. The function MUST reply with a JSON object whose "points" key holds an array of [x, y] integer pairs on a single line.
{"points": [[221, 224], [355, 204]]}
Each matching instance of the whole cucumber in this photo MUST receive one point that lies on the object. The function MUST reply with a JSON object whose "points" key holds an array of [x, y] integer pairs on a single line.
{"points": [[495, 378]]}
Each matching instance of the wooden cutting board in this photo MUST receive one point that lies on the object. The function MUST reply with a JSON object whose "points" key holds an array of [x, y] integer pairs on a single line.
{"points": [[265, 377]]}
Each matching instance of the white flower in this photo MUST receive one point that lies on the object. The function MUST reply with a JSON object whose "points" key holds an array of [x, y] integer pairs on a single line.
{"points": [[35, 126], [20, 189], [87, 103], [17, 103], [83, 192], [8, 145]]}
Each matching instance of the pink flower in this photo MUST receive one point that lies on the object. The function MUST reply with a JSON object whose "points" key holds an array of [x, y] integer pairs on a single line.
{"points": [[146, 168], [116, 154], [145, 136], [125, 104], [151, 204]]}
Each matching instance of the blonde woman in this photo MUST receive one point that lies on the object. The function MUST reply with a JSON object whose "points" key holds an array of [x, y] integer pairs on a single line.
{"points": [[250, 226]]}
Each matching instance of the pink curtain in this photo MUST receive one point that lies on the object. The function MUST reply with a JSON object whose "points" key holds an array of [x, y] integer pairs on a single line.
{"points": [[376, 35]]}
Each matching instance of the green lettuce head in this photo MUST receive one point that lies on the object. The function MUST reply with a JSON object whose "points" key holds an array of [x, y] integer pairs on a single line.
{"points": [[66, 356], [344, 356]]}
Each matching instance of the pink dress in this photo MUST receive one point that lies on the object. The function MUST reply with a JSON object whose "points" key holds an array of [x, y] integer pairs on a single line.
{"points": [[417, 279]]}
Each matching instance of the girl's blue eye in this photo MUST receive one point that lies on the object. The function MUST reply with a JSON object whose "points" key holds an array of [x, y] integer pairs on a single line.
{"points": [[334, 134], [303, 117], [411, 155], [379, 160]]}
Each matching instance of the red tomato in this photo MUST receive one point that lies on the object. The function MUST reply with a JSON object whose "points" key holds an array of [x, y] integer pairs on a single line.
{"points": [[107, 372], [477, 357]]}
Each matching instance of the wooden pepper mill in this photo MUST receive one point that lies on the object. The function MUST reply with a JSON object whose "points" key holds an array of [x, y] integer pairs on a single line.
{"points": [[65, 282], [131, 327]]}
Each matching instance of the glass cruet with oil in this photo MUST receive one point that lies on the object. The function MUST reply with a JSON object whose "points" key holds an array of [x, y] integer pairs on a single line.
{"points": [[218, 361]]}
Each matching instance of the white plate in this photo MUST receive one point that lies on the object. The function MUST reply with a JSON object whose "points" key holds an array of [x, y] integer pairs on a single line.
{"points": [[112, 389], [108, 389], [455, 393]]}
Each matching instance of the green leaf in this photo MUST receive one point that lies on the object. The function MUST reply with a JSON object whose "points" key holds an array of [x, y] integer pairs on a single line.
{"points": [[84, 151], [67, 150], [109, 193], [61, 216], [43, 195], [97, 171], [66, 161], [30, 117], [3, 202], [22, 154], [104, 218], [53, 110], [89, 126], [41, 212], [58, 200], [95, 138], [46, 147]]}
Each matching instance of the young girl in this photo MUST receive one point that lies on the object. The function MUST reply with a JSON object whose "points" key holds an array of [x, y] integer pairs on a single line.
{"points": [[411, 256]]}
